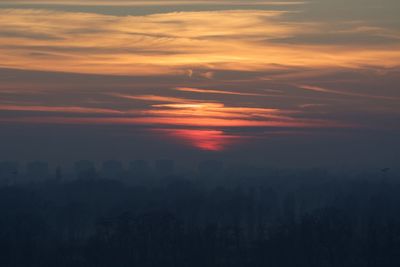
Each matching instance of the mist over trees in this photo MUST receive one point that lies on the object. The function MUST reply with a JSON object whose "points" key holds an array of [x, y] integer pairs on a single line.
{"points": [[147, 214]]}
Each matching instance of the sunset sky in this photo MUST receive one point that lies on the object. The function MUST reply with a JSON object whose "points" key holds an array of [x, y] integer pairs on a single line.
{"points": [[284, 82]]}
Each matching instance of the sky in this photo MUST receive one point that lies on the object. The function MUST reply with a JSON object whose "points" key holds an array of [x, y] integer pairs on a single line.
{"points": [[288, 83]]}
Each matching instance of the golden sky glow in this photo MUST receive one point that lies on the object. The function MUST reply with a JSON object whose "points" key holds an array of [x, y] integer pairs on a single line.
{"points": [[173, 42], [210, 91], [153, 3], [192, 70]]}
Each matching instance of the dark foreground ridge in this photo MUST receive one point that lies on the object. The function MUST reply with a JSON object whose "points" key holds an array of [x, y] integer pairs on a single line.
{"points": [[206, 219]]}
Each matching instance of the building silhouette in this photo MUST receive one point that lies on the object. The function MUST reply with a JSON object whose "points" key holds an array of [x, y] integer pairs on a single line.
{"points": [[164, 167], [112, 169], [139, 168], [37, 170], [8, 172], [209, 168], [85, 169], [58, 173]]}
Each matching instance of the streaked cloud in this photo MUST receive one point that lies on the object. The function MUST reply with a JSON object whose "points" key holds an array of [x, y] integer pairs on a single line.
{"points": [[155, 98], [173, 43], [65, 109], [154, 3], [173, 121], [210, 91], [210, 78], [346, 93]]}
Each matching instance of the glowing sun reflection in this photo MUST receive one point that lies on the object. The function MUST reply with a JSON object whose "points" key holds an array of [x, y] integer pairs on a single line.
{"points": [[208, 140]]}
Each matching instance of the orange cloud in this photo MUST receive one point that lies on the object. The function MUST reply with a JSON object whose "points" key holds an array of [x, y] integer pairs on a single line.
{"points": [[217, 110], [201, 123], [176, 112], [154, 3], [173, 121], [173, 43], [210, 91], [155, 98], [206, 48]]}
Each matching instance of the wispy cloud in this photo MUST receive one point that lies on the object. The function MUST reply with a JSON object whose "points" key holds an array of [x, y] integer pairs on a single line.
{"points": [[210, 91], [154, 2], [173, 43], [174, 121], [58, 109], [183, 114], [345, 93], [155, 98], [202, 74]]}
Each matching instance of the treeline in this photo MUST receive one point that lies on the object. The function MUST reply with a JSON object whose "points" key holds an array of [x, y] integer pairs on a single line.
{"points": [[305, 219]]}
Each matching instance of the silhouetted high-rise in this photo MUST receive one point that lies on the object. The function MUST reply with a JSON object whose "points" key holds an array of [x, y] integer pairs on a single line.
{"points": [[139, 168], [112, 169], [8, 172], [164, 167], [37, 170], [85, 169]]}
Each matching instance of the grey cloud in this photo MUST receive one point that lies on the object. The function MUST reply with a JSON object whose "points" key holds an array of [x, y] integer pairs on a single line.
{"points": [[18, 33]]}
